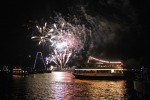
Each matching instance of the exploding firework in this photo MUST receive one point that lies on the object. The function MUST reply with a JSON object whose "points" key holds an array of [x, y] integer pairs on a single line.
{"points": [[66, 39], [40, 33]]}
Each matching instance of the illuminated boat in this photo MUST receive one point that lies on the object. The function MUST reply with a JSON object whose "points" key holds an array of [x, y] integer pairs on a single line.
{"points": [[19, 71], [96, 68]]}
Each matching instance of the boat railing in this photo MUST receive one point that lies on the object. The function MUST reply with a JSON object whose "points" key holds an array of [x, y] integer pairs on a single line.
{"points": [[115, 71]]}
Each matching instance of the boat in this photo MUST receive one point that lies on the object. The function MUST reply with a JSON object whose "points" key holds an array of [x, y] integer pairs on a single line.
{"points": [[19, 71], [99, 69]]}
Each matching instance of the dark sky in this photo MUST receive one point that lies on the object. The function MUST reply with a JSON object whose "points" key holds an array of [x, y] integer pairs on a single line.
{"points": [[133, 43]]}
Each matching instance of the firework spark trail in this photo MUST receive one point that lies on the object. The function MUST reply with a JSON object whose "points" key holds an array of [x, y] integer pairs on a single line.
{"points": [[67, 59], [63, 57]]}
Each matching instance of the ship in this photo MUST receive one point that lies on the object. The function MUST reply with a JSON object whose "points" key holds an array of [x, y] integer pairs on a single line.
{"points": [[99, 69], [19, 71]]}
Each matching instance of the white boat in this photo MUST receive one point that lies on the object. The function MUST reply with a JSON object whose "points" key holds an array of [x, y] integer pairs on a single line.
{"points": [[100, 69], [19, 71]]}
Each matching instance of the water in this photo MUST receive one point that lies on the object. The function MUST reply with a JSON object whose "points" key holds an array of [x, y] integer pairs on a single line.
{"points": [[63, 86]]}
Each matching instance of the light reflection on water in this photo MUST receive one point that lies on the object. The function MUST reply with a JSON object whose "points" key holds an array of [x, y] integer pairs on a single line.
{"points": [[101, 89], [63, 86]]}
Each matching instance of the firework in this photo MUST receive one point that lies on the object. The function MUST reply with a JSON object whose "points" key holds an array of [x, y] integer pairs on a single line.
{"points": [[64, 38], [40, 33]]}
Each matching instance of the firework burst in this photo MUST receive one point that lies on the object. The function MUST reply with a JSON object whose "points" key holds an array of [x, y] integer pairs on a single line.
{"points": [[66, 39]]}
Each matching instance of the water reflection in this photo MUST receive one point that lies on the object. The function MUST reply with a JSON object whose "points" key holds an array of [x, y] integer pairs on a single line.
{"points": [[101, 89], [62, 77], [63, 86]]}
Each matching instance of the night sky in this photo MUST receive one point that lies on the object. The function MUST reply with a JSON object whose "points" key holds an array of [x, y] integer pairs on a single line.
{"points": [[125, 20]]}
